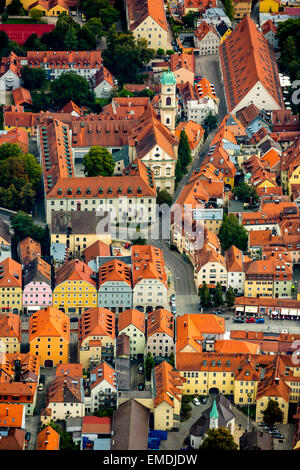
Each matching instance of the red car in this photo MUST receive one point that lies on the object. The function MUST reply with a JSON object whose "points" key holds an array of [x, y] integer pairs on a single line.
{"points": [[250, 320]]}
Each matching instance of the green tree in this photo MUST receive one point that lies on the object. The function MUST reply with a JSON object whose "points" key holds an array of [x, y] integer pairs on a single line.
{"points": [[172, 359], [178, 170], [164, 197], [33, 170], [149, 365], [185, 411], [218, 295], [10, 150], [211, 121], [36, 14], [246, 193], [95, 26], [70, 86], [66, 441], [98, 161], [160, 52], [71, 42], [23, 226], [139, 241], [218, 439], [100, 9], [205, 297], [184, 151], [272, 414], [230, 297], [232, 233], [33, 78], [169, 52], [14, 8], [40, 101], [229, 9]]}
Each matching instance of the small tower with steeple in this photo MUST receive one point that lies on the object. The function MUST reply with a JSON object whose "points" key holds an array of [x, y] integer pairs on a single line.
{"points": [[214, 416], [168, 105]]}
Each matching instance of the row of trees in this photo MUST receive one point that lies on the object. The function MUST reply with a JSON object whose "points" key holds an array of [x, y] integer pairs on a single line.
{"points": [[216, 298]]}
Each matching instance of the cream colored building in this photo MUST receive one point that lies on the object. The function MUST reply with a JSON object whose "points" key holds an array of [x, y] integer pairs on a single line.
{"points": [[147, 20]]}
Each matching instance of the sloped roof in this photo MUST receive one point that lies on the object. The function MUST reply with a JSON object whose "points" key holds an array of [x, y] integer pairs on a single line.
{"points": [[48, 439], [49, 322], [130, 426], [139, 10], [131, 317], [10, 273], [65, 389], [115, 270], [160, 321], [96, 322], [168, 385], [74, 270], [246, 53]]}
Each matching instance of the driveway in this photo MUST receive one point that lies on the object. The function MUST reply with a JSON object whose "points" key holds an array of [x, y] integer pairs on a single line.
{"points": [[176, 439]]}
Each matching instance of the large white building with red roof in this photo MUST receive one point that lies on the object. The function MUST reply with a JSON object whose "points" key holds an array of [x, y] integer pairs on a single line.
{"points": [[249, 69]]}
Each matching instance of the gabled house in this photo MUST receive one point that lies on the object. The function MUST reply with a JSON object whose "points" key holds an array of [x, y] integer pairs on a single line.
{"points": [[103, 388]]}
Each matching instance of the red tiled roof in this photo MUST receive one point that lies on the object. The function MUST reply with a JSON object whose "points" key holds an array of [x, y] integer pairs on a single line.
{"points": [[247, 58], [139, 10], [22, 96]]}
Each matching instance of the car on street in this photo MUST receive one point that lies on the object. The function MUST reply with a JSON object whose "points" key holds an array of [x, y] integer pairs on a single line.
{"points": [[260, 320], [141, 369], [41, 387], [173, 297], [27, 436], [73, 319], [278, 435], [227, 318], [173, 310], [141, 387], [203, 400], [42, 379], [238, 320], [196, 401], [250, 320]]}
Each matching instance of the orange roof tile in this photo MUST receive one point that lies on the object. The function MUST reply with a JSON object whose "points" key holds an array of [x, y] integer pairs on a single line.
{"points": [[131, 317], [48, 439], [22, 96], [139, 10], [160, 321], [203, 29], [234, 259], [168, 383], [96, 322], [98, 248], [28, 249], [73, 370], [115, 270], [247, 58], [194, 132], [103, 371], [74, 270], [65, 389], [10, 326], [10, 273], [16, 136], [192, 327], [232, 346], [185, 61], [49, 322], [11, 415]]}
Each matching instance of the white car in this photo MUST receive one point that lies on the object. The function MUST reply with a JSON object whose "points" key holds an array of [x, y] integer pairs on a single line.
{"points": [[196, 401]]}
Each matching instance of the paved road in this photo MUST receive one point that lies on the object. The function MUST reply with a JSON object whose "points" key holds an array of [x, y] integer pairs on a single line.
{"points": [[208, 66]]}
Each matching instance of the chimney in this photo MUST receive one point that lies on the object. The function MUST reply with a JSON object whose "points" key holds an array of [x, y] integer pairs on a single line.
{"points": [[277, 380]]}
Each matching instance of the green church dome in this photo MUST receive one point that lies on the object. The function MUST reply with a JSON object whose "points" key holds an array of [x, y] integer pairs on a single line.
{"points": [[168, 78]]}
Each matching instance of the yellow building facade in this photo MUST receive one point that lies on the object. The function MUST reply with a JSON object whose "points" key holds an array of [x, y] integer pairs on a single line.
{"points": [[49, 336], [269, 6], [75, 296], [258, 288]]}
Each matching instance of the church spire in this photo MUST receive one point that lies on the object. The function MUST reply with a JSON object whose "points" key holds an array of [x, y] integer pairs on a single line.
{"points": [[214, 416]]}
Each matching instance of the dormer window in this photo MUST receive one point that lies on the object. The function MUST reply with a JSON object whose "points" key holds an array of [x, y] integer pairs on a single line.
{"points": [[78, 191], [59, 191], [129, 190]]}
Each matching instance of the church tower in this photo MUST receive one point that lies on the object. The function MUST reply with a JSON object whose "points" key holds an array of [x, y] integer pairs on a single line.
{"points": [[168, 104], [214, 416]]}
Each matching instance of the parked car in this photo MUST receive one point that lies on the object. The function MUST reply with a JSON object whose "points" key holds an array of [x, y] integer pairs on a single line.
{"points": [[196, 401], [141, 369], [250, 320], [203, 400], [73, 319], [141, 387], [238, 320], [41, 387], [173, 310], [42, 379], [260, 320], [278, 435], [27, 436], [173, 297]]}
